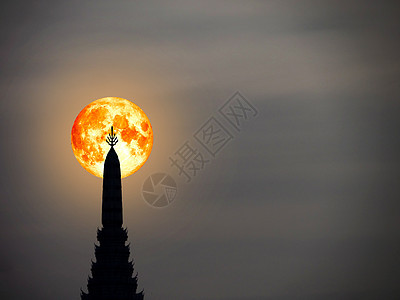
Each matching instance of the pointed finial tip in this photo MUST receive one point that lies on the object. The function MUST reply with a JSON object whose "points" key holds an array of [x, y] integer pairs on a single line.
{"points": [[111, 138]]}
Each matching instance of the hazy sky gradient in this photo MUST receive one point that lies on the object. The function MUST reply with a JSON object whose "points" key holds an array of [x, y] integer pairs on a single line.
{"points": [[303, 204]]}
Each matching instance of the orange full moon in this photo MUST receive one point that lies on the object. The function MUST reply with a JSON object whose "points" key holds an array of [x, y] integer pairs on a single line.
{"points": [[131, 126]]}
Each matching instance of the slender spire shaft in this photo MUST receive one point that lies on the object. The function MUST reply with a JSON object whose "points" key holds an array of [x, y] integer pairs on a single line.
{"points": [[112, 187], [112, 191]]}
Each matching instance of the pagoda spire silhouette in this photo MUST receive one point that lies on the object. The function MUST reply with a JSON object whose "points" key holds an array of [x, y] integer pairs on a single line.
{"points": [[112, 272]]}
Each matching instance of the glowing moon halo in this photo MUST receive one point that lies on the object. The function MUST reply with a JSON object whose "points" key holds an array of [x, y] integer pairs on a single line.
{"points": [[131, 126]]}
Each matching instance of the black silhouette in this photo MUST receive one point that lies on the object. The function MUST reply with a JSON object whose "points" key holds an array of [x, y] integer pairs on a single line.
{"points": [[112, 272]]}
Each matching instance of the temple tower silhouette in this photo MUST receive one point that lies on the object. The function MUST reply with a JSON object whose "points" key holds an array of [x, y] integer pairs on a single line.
{"points": [[112, 272]]}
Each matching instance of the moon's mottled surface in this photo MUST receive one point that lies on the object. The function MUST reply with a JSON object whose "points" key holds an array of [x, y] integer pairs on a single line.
{"points": [[131, 126]]}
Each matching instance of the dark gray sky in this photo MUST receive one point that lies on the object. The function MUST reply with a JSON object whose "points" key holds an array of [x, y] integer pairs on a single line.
{"points": [[302, 204]]}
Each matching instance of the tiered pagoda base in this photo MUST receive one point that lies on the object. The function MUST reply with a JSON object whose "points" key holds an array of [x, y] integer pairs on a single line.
{"points": [[112, 272]]}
